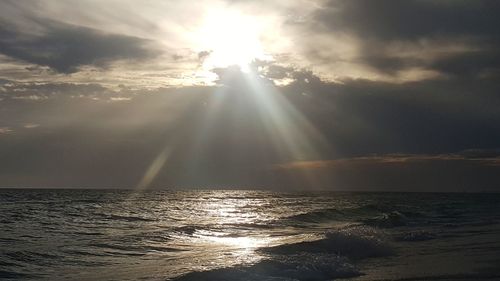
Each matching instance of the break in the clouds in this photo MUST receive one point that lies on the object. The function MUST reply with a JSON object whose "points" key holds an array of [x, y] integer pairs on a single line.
{"points": [[393, 95]]}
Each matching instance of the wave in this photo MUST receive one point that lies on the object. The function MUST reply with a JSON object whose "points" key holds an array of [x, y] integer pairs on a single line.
{"points": [[392, 219], [324, 259], [328, 214], [189, 229], [416, 236], [15, 275], [370, 214], [353, 242], [128, 218], [33, 257], [301, 266], [138, 250], [317, 216]]}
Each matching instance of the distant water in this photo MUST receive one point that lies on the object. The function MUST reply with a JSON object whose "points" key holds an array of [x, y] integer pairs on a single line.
{"points": [[247, 235]]}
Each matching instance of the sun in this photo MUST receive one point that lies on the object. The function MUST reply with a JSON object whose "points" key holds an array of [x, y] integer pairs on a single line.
{"points": [[229, 37]]}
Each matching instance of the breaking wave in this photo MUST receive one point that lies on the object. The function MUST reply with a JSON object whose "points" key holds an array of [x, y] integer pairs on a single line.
{"points": [[324, 259], [392, 219], [317, 216], [376, 216], [353, 242], [302, 266]]}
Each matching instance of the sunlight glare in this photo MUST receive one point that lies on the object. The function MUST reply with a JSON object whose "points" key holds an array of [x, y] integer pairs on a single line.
{"points": [[231, 38], [237, 242]]}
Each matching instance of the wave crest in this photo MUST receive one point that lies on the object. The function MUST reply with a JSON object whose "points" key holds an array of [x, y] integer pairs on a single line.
{"points": [[317, 216], [392, 219], [354, 242], [302, 266]]}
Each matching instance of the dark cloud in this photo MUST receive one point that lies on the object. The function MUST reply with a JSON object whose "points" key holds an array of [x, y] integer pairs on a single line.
{"points": [[416, 172], [419, 27], [413, 19], [481, 154], [12, 90], [472, 63], [65, 48], [203, 54]]}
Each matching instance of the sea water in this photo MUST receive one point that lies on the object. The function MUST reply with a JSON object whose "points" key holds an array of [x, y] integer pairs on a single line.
{"points": [[247, 235]]}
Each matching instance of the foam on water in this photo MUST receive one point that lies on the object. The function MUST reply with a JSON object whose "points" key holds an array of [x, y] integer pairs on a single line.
{"points": [[302, 266], [352, 242]]}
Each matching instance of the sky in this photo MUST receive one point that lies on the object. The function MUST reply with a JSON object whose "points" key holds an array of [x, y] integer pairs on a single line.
{"points": [[354, 95]]}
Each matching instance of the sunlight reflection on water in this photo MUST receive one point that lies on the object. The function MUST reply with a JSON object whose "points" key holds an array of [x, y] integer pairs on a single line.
{"points": [[233, 245], [157, 235]]}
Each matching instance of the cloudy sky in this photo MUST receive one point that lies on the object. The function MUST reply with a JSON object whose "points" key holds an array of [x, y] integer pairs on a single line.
{"points": [[304, 94]]}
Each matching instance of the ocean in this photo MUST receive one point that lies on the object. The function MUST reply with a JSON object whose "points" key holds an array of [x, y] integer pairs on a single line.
{"points": [[247, 235]]}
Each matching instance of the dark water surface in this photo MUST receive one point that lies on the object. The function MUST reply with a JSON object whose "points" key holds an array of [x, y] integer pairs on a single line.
{"points": [[247, 235]]}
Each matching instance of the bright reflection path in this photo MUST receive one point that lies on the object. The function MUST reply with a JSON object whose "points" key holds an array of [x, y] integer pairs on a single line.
{"points": [[240, 242]]}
